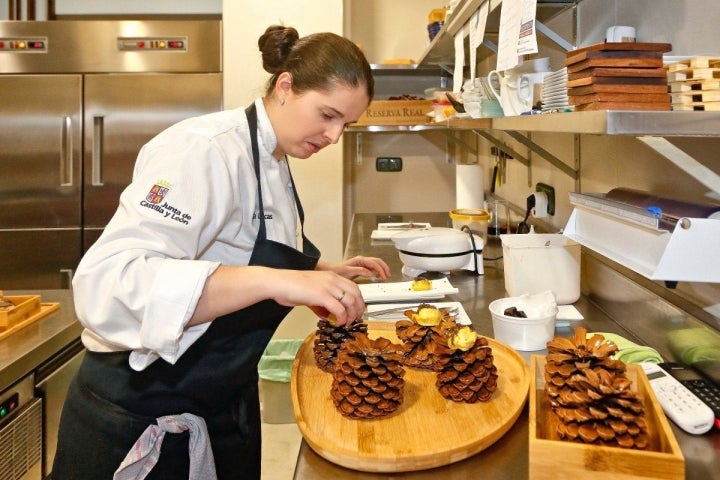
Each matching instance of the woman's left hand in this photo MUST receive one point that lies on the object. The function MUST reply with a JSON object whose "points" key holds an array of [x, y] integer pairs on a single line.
{"points": [[359, 267]]}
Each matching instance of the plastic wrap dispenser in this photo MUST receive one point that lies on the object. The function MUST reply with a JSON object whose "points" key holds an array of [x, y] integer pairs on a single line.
{"points": [[661, 239]]}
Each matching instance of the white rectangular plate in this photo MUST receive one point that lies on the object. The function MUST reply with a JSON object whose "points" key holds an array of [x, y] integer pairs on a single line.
{"points": [[387, 230], [399, 291], [461, 317]]}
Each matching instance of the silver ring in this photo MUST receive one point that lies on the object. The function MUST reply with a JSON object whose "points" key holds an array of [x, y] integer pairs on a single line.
{"points": [[341, 296]]}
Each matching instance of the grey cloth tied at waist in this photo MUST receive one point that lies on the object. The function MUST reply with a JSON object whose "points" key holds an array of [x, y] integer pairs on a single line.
{"points": [[144, 454]]}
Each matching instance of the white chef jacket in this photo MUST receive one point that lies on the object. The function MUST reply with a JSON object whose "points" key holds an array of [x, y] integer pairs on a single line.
{"points": [[191, 206]]}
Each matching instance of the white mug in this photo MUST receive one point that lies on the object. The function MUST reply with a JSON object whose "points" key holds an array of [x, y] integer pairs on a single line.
{"points": [[619, 33]]}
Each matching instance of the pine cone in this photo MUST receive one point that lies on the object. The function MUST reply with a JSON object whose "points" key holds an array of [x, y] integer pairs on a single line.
{"points": [[465, 367], [368, 381], [329, 339], [590, 393], [420, 332]]}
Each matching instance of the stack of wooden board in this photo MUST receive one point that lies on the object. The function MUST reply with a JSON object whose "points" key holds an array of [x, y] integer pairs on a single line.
{"points": [[618, 76], [695, 83]]}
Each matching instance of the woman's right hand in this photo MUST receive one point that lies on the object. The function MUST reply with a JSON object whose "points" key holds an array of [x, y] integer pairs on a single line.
{"points": [[325, 293], [232, 288]]}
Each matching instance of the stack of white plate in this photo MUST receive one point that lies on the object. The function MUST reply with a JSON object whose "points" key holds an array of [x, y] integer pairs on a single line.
{"points": [[554, 91]]}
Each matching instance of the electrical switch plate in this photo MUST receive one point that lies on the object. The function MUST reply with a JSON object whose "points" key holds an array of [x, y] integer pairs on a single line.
{"points": [[550, 192], [388, 164]]}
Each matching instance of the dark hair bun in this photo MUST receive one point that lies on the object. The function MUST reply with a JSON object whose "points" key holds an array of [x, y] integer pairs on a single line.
{"points": [[275, 45]]}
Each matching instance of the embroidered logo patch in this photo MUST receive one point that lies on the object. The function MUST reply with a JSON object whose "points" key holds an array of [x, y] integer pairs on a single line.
{"points": [[157, 192], [155, 200]]}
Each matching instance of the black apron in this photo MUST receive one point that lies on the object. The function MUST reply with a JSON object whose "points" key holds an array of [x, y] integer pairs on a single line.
{"points": [[109, 405]]}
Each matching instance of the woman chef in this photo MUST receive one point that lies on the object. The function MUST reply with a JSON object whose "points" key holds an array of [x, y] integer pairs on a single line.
{"points": [[183, 291]]}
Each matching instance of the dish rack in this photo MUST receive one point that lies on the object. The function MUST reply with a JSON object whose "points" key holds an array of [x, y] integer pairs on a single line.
{"points": [[651, 244]]}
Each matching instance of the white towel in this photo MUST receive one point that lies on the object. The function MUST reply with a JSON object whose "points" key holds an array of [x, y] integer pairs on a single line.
{"points": [[144, 454]]}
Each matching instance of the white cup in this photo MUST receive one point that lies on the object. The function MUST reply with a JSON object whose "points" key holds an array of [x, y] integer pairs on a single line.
{"points": [[619, 33], [527, 91]]}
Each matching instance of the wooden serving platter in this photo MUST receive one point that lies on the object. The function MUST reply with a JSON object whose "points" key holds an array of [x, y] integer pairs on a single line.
{"points": [[426, 431], [27, 310], [551, 458]]}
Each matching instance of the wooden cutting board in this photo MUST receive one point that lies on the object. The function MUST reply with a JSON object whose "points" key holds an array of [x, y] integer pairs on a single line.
{"points": [[617, 88], [619, 98], [426, 431]]}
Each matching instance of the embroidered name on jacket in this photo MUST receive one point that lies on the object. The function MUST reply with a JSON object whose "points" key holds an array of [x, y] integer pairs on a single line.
{"points": [[155, 200]]}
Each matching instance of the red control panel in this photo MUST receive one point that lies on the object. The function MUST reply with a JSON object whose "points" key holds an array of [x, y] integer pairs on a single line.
{"points": [[146, 44], [24, 44]]}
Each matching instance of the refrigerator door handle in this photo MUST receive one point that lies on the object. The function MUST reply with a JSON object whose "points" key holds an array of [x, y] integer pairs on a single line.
{"points": [[66, 152], [97, 151], [66, 276]]}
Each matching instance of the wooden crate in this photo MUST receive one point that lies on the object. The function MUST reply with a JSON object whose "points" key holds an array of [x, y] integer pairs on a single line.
{"points": [[24, 307], [554, 459], [396, 112]]}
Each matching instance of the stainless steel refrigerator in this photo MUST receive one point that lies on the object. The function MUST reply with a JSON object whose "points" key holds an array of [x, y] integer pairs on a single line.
{"points": [[78, 99]]}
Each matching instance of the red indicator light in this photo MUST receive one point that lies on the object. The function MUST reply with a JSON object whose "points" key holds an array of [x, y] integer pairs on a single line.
{"points": [[141, 44], [35, 45], [175, 44], [2, 44]]}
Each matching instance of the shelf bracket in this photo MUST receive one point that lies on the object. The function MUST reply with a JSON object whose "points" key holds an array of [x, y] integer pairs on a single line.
{"points": [[560, 41], [684, 161], [491, 45], [504, 147], [556, 162], [453, 139], [358, 148]]}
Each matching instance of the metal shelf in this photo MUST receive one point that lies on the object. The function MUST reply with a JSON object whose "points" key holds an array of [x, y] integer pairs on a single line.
{"points": [[617, 122], [601, 122], [441, 50]]}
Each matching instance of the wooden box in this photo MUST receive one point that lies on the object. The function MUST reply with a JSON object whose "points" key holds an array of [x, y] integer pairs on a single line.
{"points": [[552, 458], [396, 112], [24, 307]]}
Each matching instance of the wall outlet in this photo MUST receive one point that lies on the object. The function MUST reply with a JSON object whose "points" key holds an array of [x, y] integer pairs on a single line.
{"points": [[550, 192], [388, 164]]}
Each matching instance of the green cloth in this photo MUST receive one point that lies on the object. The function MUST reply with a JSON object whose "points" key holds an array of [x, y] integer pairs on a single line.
{"points": [[277, 360], [630, 352], [692, 345]]}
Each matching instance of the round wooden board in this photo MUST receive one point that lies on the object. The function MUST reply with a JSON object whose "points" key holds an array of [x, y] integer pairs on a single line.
{"points": [[426, 431]]}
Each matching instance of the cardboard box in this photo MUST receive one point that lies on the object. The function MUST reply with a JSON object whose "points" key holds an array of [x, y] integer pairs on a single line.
{"points": [[396, 112], [553, 459]]}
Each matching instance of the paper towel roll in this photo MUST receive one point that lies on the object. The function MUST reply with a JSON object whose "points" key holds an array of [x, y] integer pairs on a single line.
{"points": [[469, 186]]}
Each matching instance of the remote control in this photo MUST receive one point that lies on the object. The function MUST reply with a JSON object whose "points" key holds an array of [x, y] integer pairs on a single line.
{"points": [[680, 405], [703, 387]]}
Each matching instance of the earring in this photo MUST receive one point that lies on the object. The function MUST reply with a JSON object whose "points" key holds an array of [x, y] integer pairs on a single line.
{"points": [[282, 102]]}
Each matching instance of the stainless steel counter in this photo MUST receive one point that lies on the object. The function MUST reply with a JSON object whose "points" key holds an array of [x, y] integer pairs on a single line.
{"points": [[507, 458], [30, 347]]}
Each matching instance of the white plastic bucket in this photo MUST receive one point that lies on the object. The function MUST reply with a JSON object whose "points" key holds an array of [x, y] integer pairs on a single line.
{"points": [[534, 263]]}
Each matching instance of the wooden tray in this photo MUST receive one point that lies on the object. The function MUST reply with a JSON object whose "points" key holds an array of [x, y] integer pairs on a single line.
{"points": [[427, 431], [554, 459], [27, 309]]}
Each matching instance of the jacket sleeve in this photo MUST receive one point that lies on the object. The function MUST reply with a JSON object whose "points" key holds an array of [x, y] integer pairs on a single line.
{"points": [[138, 286]]}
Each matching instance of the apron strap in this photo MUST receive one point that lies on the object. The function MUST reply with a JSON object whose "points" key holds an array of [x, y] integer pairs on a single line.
{"points": [[251, 113]]}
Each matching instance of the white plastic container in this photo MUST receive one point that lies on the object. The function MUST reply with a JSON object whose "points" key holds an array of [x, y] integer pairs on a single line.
{"points": [[525, 334], [534, 263]]}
